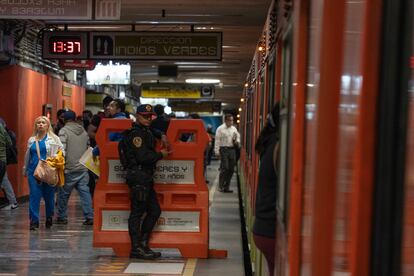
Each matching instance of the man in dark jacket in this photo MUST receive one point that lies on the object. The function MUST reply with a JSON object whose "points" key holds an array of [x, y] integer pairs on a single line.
{"points": [[137, 153], [162, 121], [5, 184]]}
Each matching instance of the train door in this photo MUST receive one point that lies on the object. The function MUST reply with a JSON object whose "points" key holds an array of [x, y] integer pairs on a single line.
{"points": [[393, 225], [407, 248]]}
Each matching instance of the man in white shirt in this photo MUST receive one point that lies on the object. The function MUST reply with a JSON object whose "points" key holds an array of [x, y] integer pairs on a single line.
{"points": [[226, 140]]}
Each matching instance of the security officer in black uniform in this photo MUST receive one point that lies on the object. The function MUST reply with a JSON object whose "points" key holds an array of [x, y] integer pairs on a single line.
{"points": [[138, 155]]}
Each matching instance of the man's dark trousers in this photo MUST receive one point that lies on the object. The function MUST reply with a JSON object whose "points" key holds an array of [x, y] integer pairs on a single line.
{"points": [[228, 161]]}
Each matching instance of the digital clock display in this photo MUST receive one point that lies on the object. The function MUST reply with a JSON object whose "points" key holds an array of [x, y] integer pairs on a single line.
{"points": [[65, 45]]}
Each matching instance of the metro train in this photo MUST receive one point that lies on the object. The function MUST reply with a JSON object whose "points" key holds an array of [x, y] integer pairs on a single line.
{"points": [[340, 71]]}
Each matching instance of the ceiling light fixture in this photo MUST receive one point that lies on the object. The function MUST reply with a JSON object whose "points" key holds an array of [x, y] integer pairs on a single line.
{"points": [[261, 48], [242, 100], [202, 81]]}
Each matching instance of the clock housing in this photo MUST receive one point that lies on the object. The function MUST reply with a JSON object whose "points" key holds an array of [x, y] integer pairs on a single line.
{"points": [[65, 45]]}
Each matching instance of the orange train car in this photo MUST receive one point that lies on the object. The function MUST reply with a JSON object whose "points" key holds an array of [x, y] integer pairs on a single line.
{"points": [[340, 71]]}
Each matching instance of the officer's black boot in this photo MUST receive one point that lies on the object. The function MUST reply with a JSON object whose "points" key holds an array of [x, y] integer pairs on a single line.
{"points": [[134, 245], [139, 251], [144, 246]]}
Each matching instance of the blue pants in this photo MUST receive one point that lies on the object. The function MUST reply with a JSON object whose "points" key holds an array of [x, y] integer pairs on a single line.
{"points": [[78, 180], [37, 191]]}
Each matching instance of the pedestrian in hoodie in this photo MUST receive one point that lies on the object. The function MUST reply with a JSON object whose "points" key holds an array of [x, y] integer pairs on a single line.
{"points": [[75, 142]]}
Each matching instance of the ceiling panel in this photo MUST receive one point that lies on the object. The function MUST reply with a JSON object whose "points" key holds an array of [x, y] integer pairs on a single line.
{"points": [[241, 22]]}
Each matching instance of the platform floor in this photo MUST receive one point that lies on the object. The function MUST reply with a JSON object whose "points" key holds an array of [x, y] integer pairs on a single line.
{"points": [[67, 249]]}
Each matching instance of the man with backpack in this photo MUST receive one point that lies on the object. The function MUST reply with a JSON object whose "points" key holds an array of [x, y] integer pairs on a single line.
{"points": [[137, 154], [8, 155]]}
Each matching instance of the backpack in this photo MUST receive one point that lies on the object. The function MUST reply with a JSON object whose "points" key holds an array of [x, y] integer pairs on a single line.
{"points": [[122, 149], [11, 150]]}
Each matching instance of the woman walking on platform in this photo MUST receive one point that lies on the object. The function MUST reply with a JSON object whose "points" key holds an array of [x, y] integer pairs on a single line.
{"points": [[264, 227], [48, 144]]}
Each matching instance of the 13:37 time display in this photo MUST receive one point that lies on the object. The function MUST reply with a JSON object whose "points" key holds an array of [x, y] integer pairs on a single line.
{"points": [[65, 46]]}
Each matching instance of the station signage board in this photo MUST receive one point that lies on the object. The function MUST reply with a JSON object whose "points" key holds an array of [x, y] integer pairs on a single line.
{"points": [[47, 9], [156, 45], [176, 91], [195, 107], [174, 172], [77, 64], [169, 221], [116, 172]]}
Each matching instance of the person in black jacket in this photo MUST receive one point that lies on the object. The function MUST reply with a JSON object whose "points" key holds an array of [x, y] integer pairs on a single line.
{"points": [[162, 121], [137, 154], [264, 227]]}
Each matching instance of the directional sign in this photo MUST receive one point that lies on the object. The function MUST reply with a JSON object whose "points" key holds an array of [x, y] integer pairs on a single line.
{"points": [[47, 9], [155, 45]]}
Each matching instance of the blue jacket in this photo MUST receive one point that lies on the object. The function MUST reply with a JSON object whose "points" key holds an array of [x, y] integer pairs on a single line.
{"points": [[113, 136]]}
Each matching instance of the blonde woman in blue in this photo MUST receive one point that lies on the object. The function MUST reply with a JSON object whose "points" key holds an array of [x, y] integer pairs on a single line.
{"points": [[49, 144]]}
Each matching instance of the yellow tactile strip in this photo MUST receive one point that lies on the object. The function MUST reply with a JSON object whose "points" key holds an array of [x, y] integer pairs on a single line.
{"points": [[189, 267]]}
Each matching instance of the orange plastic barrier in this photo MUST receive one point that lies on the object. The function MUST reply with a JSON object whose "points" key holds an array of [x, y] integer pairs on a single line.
{"points": [[180, 185]]}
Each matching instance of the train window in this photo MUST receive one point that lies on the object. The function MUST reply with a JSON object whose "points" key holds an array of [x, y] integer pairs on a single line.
{"points": [[271, 82], [249, 123], [262, 99]]}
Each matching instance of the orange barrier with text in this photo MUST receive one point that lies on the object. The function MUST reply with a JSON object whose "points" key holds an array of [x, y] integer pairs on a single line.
{"points": [[180, 185]]}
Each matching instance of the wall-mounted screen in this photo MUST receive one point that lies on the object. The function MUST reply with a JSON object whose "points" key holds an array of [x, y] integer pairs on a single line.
{"points": [[109, 74]]}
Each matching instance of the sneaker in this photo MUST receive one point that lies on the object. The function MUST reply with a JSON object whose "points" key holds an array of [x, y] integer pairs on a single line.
{"points": [[34, 226], [88, 221], [10, 206], [49, 222], [14, 206], [61, 221]]}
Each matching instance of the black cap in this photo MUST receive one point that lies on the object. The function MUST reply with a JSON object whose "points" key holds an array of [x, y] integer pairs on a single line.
{"points": [[107, 100], [145, 109], [69, 116]]}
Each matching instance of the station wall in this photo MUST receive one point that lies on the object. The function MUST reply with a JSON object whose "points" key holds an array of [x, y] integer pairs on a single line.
{"points": [[23, 92]]}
